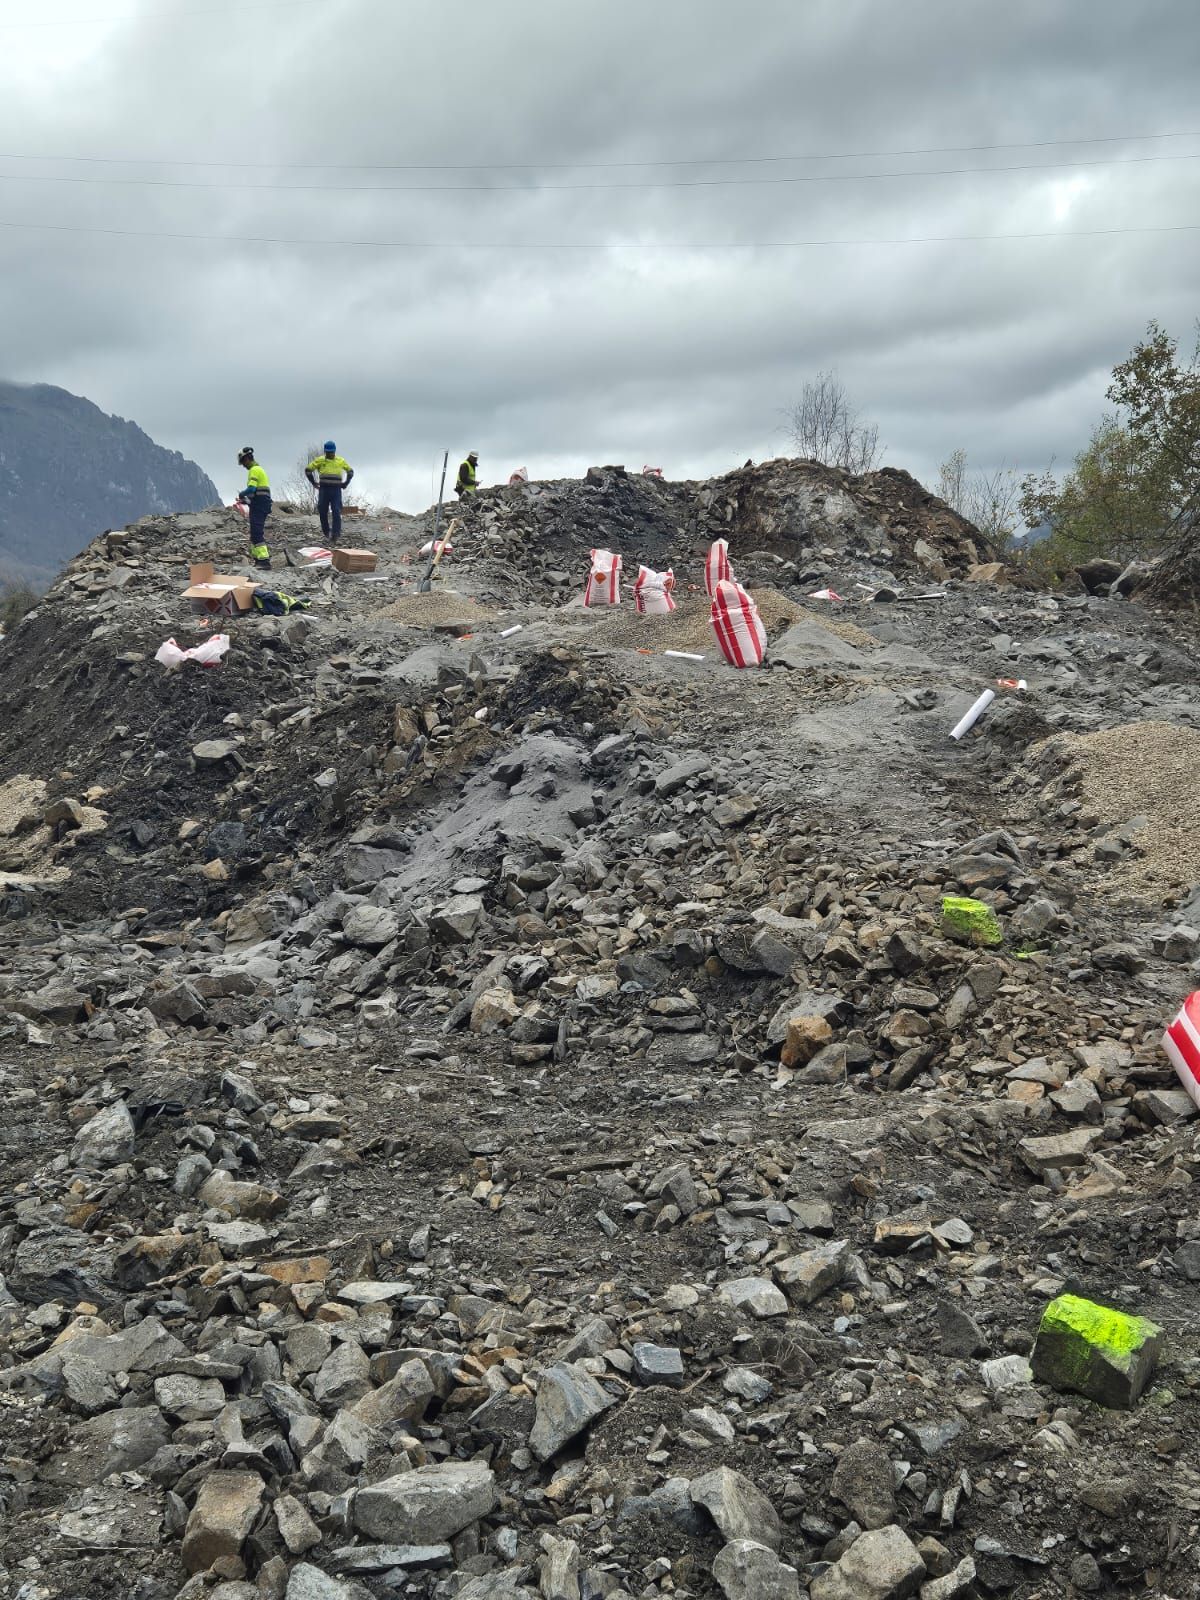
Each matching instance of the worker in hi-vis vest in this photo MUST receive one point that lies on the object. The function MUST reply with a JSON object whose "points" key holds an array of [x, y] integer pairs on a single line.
{"points": [[468, 477], [329, 475], [257, 497]]}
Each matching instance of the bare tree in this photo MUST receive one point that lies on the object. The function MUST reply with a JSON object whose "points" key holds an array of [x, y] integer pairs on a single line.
{"points": [[952, 481], [991, 500], [825, 427]]}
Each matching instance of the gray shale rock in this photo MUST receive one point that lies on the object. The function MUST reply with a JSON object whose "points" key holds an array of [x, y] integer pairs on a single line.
{"points": [[864, 1482], [881, 1565], [568, 1401], [428, 1505], [737, 1506], [747, 1570], [107, 1140]]}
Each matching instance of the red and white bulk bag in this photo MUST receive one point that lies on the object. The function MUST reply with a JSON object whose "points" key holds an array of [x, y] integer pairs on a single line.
{"points": [[316, 555], [521, 475], [443, 545], [604, 580], [716, 567], [651, 472], [1182, 1043], [652, 592], [738, 626]]}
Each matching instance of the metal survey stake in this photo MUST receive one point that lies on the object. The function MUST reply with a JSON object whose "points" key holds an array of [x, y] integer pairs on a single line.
{"points": [[426, 582]]}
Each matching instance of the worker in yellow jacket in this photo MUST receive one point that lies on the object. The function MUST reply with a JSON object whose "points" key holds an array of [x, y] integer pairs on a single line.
{"points": [[468, 478], [256, 496], [329, 475]]}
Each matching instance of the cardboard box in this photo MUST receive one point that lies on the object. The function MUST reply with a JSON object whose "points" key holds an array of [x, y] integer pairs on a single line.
{"points": [[219, 594], [354, 560]]}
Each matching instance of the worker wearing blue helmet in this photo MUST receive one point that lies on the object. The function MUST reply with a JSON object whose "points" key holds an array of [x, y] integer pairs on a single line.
{"points": [[329, 475]]}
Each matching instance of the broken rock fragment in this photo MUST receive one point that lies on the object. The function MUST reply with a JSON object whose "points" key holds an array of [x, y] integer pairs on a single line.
{"points": [[428, 1505], [106, 1140], [306, 1582], [1057, 1151], [809, 1275], [864, 1482], [805, 1036], [759, 1296], [748, 1570], [737, 1506], [1095, 1351], [225, 1511], [240, 1199], [883, 1564], [568, 1400]]}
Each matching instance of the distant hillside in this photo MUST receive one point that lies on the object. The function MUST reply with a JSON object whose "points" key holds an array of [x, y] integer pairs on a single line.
{"points": [[68, 471]]}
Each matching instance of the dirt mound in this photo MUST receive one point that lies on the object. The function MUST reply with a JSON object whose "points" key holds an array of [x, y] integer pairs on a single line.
{"points": [[797, 510]]}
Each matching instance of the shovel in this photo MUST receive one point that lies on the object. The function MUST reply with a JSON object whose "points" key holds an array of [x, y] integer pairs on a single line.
{"points": [[426, 582]]}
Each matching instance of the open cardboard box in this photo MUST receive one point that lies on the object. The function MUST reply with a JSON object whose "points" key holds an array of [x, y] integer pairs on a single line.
{"points": [[218, 593], [354, 560]]}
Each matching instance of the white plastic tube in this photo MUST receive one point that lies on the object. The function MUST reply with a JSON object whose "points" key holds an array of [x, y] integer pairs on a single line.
{"points": [[683, 655], [507, 633], [973, 716]]}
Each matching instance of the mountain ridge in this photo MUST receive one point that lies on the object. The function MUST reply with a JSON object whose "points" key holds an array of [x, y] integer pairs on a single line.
{"points": [[68, 470]]}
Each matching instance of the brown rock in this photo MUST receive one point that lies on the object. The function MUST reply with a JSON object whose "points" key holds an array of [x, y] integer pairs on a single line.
{"points": [[805, 1036], [221, 1519]]}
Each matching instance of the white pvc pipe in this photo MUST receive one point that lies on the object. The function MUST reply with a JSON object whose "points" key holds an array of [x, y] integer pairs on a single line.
{"points": [[974, 714], [508, 632], [683, 655]]}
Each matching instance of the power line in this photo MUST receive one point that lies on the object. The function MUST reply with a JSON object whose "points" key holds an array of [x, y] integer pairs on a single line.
{"points": [[761, 244], [595, 166], [164, 16], [564, 188]]}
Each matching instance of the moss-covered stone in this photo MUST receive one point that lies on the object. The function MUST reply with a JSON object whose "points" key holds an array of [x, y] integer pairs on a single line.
{"points": [[970, 921], [1095, 1351]]}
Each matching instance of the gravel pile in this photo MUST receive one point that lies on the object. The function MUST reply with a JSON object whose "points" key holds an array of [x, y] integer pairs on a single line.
{"points": [[436, 607], [1144, 770]]}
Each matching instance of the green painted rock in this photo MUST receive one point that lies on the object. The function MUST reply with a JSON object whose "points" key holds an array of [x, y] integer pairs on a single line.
{"points": [[1104, 1354], [969, 921]]}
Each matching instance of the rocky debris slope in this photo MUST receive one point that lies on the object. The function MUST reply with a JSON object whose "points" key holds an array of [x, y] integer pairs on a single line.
{"points": [[798, 511], [494, 1114]]}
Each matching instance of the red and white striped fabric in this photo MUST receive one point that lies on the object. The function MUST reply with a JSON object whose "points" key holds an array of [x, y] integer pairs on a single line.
{"points": [[521, 475], [652, 592], [716, 566], [651, 472], [1182, 1043], [242, 509], [738, 626], [316, 555], [604, 580], [444, 545]]}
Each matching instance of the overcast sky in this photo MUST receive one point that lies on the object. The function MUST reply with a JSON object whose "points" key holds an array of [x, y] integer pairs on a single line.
{"points": [[601, 273]]}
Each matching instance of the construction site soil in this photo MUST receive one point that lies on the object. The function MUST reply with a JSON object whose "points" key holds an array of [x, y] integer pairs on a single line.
{"points": [[491, 1109]]}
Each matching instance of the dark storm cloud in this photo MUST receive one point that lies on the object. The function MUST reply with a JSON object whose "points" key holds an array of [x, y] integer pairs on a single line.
{"points": [[677, 352]]}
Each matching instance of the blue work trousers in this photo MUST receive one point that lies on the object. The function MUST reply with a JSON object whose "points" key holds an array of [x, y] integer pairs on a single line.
{"points": [[329, 504], [260, 510]]}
